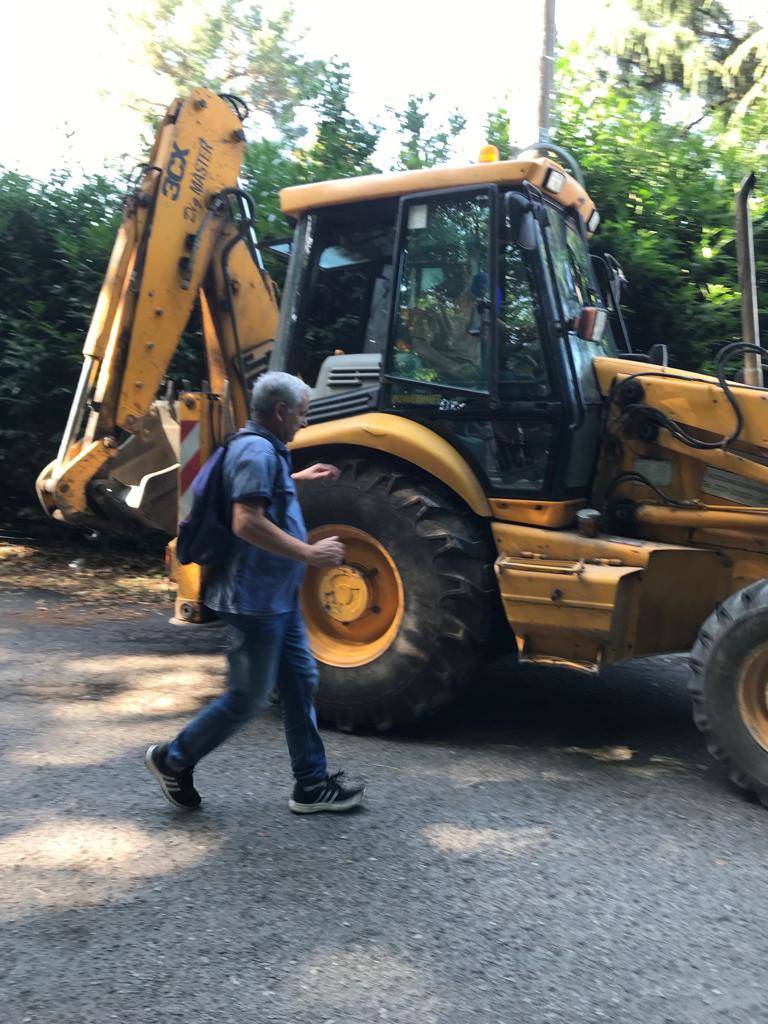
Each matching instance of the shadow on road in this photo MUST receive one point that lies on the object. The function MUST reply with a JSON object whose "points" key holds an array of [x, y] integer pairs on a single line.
{"points": [[643, 704]]}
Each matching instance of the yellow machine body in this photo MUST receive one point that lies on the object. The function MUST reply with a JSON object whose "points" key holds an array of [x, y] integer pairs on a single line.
{"points": [[168, 254], [683, 495], [725, 490], [584, 601], [301, 198], [404, 439], [179, 244]]}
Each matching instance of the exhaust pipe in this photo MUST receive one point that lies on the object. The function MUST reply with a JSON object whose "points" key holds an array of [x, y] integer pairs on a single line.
{"points": [[745, 255]]}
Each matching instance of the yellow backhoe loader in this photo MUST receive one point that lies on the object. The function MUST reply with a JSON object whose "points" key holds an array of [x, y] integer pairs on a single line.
{"points": [[512, 474]]}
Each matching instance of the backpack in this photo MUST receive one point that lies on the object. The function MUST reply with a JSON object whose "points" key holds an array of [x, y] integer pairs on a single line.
{"points": [[204, 535]]}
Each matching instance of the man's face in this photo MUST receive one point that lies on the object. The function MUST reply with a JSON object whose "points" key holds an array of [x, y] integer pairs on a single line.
{"points": [[289, 421]]}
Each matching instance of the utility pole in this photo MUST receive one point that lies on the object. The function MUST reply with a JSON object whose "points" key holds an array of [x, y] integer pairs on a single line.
{"points": [[529, 114], [546, 69]]}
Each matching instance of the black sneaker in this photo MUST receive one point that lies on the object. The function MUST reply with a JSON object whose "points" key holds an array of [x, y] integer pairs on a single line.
{"points": [[177, 785], [329, 795]]}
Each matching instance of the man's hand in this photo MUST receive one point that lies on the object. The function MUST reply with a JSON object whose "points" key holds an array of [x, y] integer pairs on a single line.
{"points": [[251, 525], [328, 551], [320, 471]]}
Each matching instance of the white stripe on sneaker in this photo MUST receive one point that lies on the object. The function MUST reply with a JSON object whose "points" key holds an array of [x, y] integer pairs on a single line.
{"points": [[327, 805]]}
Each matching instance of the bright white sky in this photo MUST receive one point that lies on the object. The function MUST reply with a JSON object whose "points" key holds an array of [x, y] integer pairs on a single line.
{"points": [[67, 79]]}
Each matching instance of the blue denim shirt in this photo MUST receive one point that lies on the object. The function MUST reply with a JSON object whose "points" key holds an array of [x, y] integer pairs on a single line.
{"points": [[253, 581]]}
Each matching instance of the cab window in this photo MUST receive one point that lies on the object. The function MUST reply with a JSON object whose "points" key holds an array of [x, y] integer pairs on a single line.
{"points": [[519, 327], [346, 289], [440, 333]]}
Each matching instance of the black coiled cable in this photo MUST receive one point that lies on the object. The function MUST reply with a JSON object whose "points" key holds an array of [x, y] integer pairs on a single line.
{"points": [[662, 420]]}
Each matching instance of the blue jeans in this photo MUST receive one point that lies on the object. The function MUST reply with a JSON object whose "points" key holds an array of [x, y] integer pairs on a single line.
{"points": [[263, 650]]}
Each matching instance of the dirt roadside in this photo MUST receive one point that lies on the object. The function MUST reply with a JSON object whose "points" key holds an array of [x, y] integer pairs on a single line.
{"points": [[92, 576]]}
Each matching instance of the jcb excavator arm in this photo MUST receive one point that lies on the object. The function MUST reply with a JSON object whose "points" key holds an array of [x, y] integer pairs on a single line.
{"points": [[186, 234]]}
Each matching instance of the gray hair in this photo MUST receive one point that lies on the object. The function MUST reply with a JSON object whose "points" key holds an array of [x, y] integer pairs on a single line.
{"points": [[271, 388]]}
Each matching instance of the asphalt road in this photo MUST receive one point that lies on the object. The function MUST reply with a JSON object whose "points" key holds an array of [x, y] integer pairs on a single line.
{"points": [[555, 848]]}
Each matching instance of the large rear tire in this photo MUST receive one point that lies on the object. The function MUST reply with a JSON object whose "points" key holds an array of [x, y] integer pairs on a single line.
{"points": [[729, 686], [401, 626]]}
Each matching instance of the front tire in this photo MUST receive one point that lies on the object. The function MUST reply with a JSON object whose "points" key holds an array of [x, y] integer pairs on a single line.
{"points": [[403, 624], [729, 686]]}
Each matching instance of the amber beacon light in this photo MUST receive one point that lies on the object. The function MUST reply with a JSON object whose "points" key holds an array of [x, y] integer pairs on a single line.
{"points": [[489, 155]]}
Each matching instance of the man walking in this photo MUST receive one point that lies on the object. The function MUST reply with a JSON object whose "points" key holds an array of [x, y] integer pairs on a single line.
{"points": [[256, 593]]}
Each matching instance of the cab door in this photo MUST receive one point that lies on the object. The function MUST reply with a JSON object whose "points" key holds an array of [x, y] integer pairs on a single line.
{"points": [[442, 337], [473, 350]]}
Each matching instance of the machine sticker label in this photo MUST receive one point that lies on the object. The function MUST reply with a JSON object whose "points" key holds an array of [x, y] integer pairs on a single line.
{"points": [[190, 464], [174, 172], [734, 488], [197, 181], [452, 405], [657, 471], [417, 218], [416, 399]]}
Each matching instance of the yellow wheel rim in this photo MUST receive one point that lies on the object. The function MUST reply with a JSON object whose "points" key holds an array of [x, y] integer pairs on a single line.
{"points": [[752, 692], [352, 612]]}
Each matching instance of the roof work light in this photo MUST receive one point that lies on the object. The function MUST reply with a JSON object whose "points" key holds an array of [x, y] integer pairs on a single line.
{"points": [[554, 181]]}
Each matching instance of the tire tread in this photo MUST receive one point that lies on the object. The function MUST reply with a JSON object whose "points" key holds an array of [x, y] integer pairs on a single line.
{"points": [[739, 605], [462, 555]]}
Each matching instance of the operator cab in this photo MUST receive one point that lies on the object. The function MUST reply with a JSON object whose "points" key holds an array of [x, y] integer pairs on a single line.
{"points": [[472, 308]]}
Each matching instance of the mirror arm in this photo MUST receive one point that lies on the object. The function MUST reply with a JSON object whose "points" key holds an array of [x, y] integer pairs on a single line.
{"points": [[612, 277]]}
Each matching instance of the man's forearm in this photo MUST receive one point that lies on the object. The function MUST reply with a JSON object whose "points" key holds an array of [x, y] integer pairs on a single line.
{"points": [[263, 533]]}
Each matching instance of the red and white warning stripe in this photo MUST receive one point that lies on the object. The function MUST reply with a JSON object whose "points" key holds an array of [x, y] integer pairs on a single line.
{"points": [[190, 464]]}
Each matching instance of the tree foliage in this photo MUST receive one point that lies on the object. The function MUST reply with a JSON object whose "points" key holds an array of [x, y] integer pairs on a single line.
{"points": [[666, 197], [236, 49], [497, 132], [699, 48], [56, 243], [665, 193], [420, 146], [343, 145]]}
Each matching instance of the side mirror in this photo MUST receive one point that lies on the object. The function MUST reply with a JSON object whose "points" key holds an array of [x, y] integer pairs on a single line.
{"points": [[658, 354], [591, 323], [521, 220]]}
